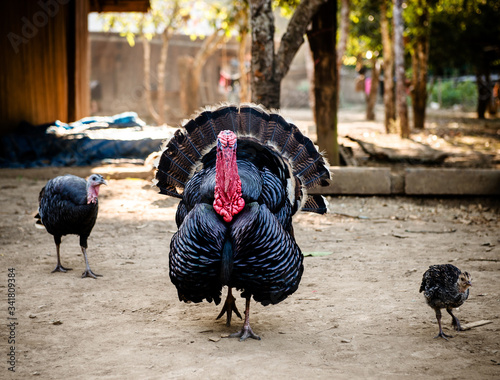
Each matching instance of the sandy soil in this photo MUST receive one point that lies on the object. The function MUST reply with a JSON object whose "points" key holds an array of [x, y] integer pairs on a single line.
{"points": [[357, 313]]}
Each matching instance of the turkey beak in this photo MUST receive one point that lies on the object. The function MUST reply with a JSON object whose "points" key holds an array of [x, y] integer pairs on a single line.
{"points": [[469, 283], [103, 182]]}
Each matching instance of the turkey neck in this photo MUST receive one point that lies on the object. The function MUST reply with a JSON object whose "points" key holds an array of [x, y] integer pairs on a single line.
{"points": [[92, 193], [228, 200]]}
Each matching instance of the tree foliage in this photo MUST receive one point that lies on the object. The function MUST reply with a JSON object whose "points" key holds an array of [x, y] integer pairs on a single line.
{"points": [[465, 39], [365, 27], [162, 16], [465, 36]]}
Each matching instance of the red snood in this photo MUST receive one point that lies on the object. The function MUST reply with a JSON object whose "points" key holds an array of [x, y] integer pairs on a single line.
{"points": [[228, 201]]}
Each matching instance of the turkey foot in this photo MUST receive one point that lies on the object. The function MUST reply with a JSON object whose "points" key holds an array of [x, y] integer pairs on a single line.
{"points": [[229, 307], [246, 331], [89, 273], [455, 322], [443, 335], [60, 268]]}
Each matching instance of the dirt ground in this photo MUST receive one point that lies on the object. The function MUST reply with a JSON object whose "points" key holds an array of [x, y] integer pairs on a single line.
{"points": [[356, 315]]}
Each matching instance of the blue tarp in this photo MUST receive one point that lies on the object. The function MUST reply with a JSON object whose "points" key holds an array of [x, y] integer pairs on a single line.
{"points": [[122, 120], [85, 142]]}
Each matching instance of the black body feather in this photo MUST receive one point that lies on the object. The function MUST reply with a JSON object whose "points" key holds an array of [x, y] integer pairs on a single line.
{"points": [[256, 252]]}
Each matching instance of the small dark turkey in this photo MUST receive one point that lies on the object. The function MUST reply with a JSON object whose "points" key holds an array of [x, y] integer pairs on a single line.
{"points": [[445, 287], [68, 205]]}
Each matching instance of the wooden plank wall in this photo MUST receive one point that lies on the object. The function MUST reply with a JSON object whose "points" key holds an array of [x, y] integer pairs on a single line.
{"points": [[78, 61], [40, 79]]}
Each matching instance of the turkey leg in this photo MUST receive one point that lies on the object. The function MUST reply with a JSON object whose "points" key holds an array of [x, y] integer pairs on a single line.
{"points": [[455, 322], [246, 331], [441, 333], [88, 272], [59, 267], [229, 307]]}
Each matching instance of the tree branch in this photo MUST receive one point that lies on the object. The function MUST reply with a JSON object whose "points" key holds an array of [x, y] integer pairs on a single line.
{"points": [[344, 31], [294, 35], [147, 78]]}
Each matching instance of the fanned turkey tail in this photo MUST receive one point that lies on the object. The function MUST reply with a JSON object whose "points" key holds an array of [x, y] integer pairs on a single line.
{"points": [[183, 152]]}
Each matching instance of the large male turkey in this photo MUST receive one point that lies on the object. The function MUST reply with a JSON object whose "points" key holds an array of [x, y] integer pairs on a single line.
{"points": [[241, 173]]}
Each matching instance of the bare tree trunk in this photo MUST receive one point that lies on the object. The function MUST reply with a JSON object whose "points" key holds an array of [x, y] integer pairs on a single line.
{"points": [[402, 105], [184, 65], [419, 82], [191, 70], [265, 86], [419, 58], [244, 93], [322, 41], [344, 33], [483, 92], [165, 38], [268, 68], [161, 76], [193, 90], [389, 101], [159, 114], [147, 78], [242, 50], [372, 96]]}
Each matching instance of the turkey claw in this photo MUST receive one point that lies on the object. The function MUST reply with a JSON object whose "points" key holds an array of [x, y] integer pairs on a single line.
{"points": [[89, 273], [60, 268], [244, 333], [456, 324], [229, 307], [443, 335]]}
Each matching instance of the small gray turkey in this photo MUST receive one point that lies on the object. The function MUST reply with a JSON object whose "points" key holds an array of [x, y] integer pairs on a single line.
{"points": [[68, 205], [445, 287], [241, 173]]}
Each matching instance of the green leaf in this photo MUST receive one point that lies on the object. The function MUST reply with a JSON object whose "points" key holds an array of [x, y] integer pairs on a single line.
{"points": [[131, 39]]}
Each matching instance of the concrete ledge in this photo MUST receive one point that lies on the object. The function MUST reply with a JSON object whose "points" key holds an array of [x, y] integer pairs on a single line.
{"points": [[430, 181], [345, 180], [358, 180], [413, 181]]}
